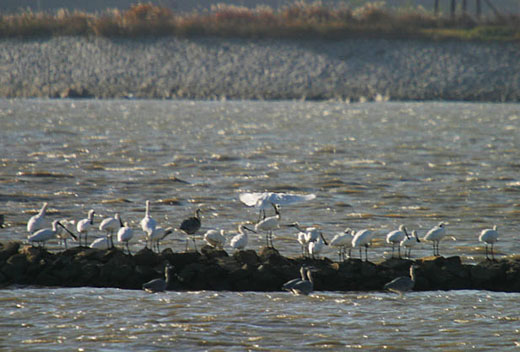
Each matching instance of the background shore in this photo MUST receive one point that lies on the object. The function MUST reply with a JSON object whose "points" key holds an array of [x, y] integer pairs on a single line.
{"points": [[223, 68]]}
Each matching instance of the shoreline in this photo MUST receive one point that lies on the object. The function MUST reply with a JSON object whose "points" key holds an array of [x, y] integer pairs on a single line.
{"points": [[246, 270], [209, 68]]}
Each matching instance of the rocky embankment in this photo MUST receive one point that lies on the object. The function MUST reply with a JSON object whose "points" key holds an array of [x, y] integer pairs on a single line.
{"points": [[215, 68], [243, 271]]}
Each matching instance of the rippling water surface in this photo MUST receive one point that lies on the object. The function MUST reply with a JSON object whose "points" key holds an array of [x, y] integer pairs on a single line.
{"points": [[370, 165]]}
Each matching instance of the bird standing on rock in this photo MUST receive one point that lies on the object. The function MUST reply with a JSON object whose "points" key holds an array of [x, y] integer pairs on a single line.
{"points": [[43, 235], [84, 225], [111, 225], [269, 224], [190, 226], [239, 241], [395, 237], [489, 236], [362, 238], [37, 222], [410, 242], [148, 223], [215, 238], [124, 235], [435, 235]]}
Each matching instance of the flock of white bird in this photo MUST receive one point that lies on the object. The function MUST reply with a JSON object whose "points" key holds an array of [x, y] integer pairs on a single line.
{"points": [[311, 239]]}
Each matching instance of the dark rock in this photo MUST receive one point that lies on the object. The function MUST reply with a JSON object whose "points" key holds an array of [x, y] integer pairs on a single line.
{"points": [[7, 250], [247, 257], [147, 257], [76, 93], [211, 253]]}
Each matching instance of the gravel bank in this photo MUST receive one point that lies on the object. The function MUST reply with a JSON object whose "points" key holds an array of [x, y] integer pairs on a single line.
{"points": [[215, 68]]}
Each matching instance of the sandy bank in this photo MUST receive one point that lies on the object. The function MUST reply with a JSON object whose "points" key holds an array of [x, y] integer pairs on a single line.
{"points": [[215, 68]]}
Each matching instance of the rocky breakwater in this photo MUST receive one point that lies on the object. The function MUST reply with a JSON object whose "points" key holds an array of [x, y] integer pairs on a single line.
{"points": [[243, 271]]}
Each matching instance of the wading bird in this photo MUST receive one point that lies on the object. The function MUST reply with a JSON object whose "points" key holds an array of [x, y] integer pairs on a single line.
{"points": [[269, 224], [37, 222], [124, 235], [159, 234], [148, 223], [43, 235], [342, 241], [362, 238], [215, 238], [110, 225], [64, 232], [410, 242], [84, 225], [190, 226], [489, 236], [316, 247], [239, 241], [402, 284], [435, 235], [395, 237], [101, 243], [263, 200], [160, 285]]}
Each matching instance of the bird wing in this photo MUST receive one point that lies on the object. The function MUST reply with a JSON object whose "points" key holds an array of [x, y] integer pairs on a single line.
{"points": [[263, 200]]}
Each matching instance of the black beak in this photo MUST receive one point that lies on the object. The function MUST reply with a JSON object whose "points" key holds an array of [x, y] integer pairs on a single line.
{"points": [[323, 238], [247, 228], [66, 229]]}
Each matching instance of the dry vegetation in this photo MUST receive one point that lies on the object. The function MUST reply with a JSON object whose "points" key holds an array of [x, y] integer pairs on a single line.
{"points": [[300, 20]]}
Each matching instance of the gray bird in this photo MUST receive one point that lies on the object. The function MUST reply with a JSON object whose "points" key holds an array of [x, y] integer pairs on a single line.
{"points": [[160, 285], [402, 284], [304, 287], [290, 284], [190, 226]]}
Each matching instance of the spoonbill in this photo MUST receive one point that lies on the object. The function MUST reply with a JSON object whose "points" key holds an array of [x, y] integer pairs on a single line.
{"points": [[158, 235], [124, 235], [362, 238], [342, 241], [410, 242], [43, 235], [489, 236], [148, 223], [239, 241], [263, 200], [62, 234], [316, 247], [190, 226], [395, 237], [215, 238], [435, 235], [84, 225], [37, 222], [111, 225], [269, 224]]}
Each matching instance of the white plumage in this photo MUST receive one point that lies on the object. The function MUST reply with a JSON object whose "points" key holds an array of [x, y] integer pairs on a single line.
{"points": [[435, 235], [84, 225], [111, 225], [263, 200], [124, 235], [239, 241], [215, 238], [158, 235], [148, 223], [410, 242], [362, 238], [342, 241], [395, 237], [316, 247], [489, 236], [43, 235], [269, 224], [101, 243], [37, 222]]}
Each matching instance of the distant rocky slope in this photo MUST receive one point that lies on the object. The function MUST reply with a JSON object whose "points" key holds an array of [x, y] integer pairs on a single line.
{"points": [[217, 68]]}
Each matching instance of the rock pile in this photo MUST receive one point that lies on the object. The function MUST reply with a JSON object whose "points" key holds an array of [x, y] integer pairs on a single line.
{"points": [[243, 271]]}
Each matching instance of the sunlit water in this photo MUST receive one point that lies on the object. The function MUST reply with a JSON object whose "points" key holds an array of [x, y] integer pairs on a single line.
{"points": [[370, 165]]}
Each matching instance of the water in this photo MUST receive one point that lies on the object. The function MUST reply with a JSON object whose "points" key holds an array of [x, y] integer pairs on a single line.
{"points": [[370, 165]]}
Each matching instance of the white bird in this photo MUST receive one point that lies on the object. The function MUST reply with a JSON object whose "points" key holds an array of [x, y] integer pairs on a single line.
{"points": [[37, 222], [306, 236], [342, 241], [435, 235], [124, 235], [101, 243], [84, 225], [43, 235], [395, 237], [303, 243], [239, 241], [215, 238], [64, 232], [489, 236], [362, 238], [316, 247], [158, 235], [263, 200], [269, 224], [111, 225], [148, 223], [410, 242], [402, 284]]}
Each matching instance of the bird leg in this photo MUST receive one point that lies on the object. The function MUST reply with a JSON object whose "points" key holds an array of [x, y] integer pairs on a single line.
{"points": [[399, 251]]}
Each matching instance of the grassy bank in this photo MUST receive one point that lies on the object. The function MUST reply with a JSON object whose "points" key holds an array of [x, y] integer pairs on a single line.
{"points": [[301, 20]]}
